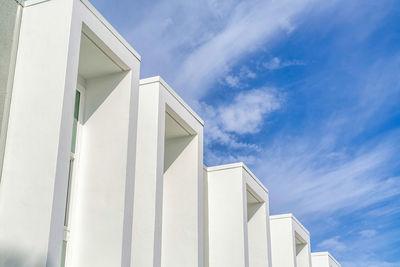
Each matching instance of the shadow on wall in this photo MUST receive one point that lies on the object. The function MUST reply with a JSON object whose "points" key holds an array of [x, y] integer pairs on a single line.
{"points": [[99, 89], [16, 258]]}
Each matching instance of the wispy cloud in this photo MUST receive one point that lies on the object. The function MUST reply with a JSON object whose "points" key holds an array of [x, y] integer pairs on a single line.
{"points": [[369, 233], [195, 48], [257, 21], [232, 81], [276, 63], [238, 80], [332, 243], [315, 182]]}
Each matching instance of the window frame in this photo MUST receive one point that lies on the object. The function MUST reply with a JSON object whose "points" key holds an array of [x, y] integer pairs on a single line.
{"points": [[72, 178]]}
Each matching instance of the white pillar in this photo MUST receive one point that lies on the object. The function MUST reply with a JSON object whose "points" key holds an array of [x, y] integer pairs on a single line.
{"points": [[36, 161], [323, 259], [37, 148], [238, 218], [290, 242], [168, 204]]}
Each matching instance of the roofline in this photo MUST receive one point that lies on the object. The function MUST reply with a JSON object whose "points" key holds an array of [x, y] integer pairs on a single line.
{"points": [[237, 165], [20, 2], [100, 17], [158, 79], [286, 216], [325, 253], [32, 2]]}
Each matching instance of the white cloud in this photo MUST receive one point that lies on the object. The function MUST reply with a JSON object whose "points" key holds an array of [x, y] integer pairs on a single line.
{"points": [[252, 24], [247, 73], [276, 63], [318, 185], [332, 244], [232, 81], [239, 79], [323, 169], [247, 112], [225, 124], [369, 233], [194, 44]]}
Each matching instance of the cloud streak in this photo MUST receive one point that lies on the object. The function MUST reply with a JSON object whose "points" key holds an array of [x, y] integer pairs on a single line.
{"points": [[251, 25], [276, 63], [318, 182], [194, 48]]}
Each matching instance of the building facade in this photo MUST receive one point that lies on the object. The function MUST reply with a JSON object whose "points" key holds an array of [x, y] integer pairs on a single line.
{"points": [[290, 242], [324, 259], [100, 168], [237, 216]]}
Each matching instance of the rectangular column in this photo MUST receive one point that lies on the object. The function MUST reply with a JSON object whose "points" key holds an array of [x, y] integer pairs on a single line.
{"points": [[238, 218], [323, 259], [168, 205], [290, 242], [146, 235], [41, 98], [226, 213]]}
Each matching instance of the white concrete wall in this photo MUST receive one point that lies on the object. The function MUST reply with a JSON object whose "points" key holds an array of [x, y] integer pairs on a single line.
{"points": [[109, 144], [258, 226], [168, 205], [35, 174], [10, 19], [333, 262], [180, 227], [320, 261], [234, 239], [98, 210], [206, 256], [282, 245], [303, 258], [146, 235], [283, 242], [32, 148], [257, 235], [226, 213], [324, 259]]}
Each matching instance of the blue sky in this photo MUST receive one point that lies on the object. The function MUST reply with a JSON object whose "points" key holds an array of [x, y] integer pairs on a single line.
{"points": [[306, 93]]}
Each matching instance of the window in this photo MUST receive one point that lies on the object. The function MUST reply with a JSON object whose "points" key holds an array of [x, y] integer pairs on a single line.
{"points": [[73, 157]]}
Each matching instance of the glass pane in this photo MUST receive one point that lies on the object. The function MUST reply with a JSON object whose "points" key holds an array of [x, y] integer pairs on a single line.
{"points": [[75, 125], [63, 253], [66, 217]]}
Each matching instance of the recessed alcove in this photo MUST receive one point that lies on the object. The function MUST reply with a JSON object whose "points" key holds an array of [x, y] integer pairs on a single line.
{"points": [[180, 163], [96, 187], [302, 257], [256, 229]]}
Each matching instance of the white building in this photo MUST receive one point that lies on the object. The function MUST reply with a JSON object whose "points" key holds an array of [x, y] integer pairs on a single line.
{"points": [[290, 242], [99, 168], [324, 259], [168, 205], [69, 158], [238, 212]]}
